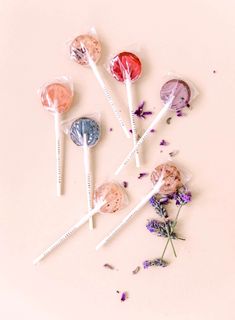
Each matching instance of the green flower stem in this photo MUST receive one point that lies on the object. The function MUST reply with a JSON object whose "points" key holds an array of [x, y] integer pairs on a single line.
{"points": [[172, 230], [170, 239]]}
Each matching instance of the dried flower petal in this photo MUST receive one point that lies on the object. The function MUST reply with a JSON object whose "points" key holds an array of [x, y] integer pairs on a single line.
{"points": [[125, 184], [163, 142], [142, 174], [108, 266], [179, 113], [123, 296], [137, 269], [173, 153], [168, 120], [139, 112]]}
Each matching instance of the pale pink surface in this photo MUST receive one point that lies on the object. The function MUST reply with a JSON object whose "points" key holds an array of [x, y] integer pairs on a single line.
{"points": [[190, 37]]}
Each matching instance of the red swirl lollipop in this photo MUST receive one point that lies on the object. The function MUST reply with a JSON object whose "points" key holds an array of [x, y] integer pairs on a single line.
{"points": [[126, 65]]}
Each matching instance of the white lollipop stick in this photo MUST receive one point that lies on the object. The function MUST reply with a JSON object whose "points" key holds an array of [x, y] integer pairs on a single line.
{"points": [[155, 190], [159, 116], [57, 120], [132, 117], [86, 153], [107, 94], [69, 233]]}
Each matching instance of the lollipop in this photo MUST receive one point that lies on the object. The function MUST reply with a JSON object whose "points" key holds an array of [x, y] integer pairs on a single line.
{"points": [[86, 50], [172, 178], [85, 132], [114, 196], [182, 93], [109, 198], [57, 98], [136, 209], [126, 67], [175, 94]]}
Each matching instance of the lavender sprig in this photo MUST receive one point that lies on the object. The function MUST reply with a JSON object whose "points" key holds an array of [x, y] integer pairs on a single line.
{"points": [[158, 205], [156, 262], [161, 229]]}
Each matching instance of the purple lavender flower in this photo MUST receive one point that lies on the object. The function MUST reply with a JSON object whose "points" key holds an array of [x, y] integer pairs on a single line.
{"points": [[156, 262], [158, 206], [146, 264], [182, 197], [164, 200], [154, 225], [161, 229], [139, 112]]}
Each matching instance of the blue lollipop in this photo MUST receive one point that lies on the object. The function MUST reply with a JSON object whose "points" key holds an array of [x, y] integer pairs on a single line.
{"points": [[87, 127], [85, 132]]}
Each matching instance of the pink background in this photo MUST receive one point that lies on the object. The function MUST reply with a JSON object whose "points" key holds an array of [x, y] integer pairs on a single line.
{"points": [[190, 37]]}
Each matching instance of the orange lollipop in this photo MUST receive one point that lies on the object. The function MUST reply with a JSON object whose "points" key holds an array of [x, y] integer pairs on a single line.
{"points": [[57, 95], [57, 98]]}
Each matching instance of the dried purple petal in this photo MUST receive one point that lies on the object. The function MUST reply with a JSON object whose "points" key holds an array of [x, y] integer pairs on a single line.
{"points": [[173, 153], [168, 120], [147, 113], [179, 113], [142, 174], [123, 296], [137, 269], [108, 266], [139, 112], [125, 184], [163, 142]]}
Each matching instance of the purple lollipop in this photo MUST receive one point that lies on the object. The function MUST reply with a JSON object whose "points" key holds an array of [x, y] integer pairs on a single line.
{"points": [[180, 90]]}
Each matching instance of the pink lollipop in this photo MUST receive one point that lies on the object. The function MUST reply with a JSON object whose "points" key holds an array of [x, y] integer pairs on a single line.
{"points": [[57, 98], [109, 198], [126, 67]]}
